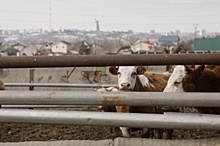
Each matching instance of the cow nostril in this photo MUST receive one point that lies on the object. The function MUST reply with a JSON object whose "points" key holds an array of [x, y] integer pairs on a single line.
{"points": [[126, 85]]}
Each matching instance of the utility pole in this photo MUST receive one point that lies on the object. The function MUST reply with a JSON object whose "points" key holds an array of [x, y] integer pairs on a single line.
{"points": [[195, 25]]}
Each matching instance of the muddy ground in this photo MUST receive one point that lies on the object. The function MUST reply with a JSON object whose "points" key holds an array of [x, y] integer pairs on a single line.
{"points": [[39, 132]]}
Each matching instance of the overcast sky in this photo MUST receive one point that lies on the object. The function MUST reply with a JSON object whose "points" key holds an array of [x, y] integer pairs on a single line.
{"points": [[118, 15]]}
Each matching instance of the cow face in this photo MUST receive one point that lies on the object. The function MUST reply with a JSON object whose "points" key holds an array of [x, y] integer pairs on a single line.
{"points": [[192, 76], [127, 75], [175, 82]]}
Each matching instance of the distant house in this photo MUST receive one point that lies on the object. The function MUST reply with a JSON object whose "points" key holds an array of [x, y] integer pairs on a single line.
{"points": [[19, 46], [4, 47], [61, 47], [169, 39], [207, 44], [12, 52], [46, 46], [142, 46], [29, 51]]}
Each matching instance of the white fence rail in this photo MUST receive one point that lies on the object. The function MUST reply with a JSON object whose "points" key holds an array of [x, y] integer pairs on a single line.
{"points": [[109, 98], [169, 121]]}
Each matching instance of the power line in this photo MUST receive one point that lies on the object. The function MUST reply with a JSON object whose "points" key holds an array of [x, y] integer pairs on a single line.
{"points": [[87, 15], [106, 23]]}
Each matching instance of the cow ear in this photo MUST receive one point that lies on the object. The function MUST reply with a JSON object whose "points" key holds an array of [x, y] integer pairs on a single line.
{"points": [[188, 69], [166, 51], [199, 70], [192, 66], [141, 70], [113, 70]]}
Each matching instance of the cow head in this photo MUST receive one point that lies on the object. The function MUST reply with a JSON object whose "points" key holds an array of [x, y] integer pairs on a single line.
{"points": [[183, 78], [193, 74], [127, 75], [175, 84]]}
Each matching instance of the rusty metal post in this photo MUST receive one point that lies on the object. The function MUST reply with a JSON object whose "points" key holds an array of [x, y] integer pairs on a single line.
{"points": [[31, 79]]}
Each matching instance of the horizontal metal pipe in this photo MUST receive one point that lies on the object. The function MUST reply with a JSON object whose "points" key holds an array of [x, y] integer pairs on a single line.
{"points": [[59, 85], [107, 60], [45, 106], [109, 98], [169, 121]]}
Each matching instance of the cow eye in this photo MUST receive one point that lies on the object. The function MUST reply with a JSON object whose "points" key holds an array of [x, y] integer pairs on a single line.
{"points": [[119, 73], [176, 83], [133, 74]]}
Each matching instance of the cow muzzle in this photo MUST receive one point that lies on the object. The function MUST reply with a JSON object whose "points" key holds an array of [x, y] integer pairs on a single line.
{"points": [[125, 86]]}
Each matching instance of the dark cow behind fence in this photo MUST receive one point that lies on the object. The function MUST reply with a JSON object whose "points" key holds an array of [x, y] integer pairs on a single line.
{"points": [[2, 86], [199, 79]]}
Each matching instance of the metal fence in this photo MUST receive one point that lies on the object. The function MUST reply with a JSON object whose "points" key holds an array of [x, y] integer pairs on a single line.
{"points": [[167, 120], [66, 85]]}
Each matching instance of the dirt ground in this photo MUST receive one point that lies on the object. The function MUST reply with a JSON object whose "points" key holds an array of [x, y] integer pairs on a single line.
{"points": [[39, 132]]}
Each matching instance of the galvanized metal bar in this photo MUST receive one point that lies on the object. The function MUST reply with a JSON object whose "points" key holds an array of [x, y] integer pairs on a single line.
{"points": [[109, 98], [184, 121], [107, 60], [59, 85]]}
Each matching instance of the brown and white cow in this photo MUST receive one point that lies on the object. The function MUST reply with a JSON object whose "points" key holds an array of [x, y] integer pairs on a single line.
{"points": [[2, 86], [136, 78], [199, 79]]}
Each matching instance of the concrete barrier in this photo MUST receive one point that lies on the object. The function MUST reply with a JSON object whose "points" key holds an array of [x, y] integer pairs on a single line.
{"points": [[121, 142]]}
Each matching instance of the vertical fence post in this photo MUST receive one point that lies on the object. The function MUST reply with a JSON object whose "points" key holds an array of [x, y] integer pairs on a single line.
{"points": [[31, 79]]}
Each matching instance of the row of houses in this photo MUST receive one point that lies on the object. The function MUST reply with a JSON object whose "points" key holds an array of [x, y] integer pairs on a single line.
{"points": [[66, 48], [49, 49]]}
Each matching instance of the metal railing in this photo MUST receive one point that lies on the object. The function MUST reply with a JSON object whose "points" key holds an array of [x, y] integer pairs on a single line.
{"points": [[109, 98], [107, 60], [59, 85], [167, 120]]}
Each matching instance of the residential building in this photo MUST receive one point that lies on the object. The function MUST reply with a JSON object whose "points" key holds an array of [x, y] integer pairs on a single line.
{"points": [[170, 38], [19, 46], [141, 45], [12, 52], [29, 50], [61, 47]]}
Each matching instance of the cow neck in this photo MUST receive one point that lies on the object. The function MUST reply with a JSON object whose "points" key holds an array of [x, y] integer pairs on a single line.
{"points": [[140, 87]]}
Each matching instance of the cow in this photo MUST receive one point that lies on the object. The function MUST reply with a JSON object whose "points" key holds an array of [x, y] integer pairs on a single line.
{"points": [[2, 87], [136, 78], [199, 79], [174, 83]]}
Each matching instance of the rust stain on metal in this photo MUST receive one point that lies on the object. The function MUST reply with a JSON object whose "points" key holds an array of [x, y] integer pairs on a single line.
{"points": [[115, 100]]}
